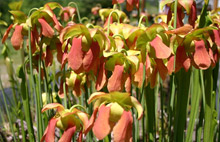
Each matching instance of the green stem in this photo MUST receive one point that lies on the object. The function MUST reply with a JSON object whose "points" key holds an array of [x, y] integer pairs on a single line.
{"points": [[171, 101], [86, 95], [218, 100], [144, 71], [141, 19], [85, 19], [156, 96], [77, 10], [143, 120], [162, 109], [89, 25], [79, 106], [64, 86], [134, 133], [33, 9], [54, 74], [109, 20], [39, 97], [49, 95], [175, 13], [37, 105], [137, 129], [119, 35], [199, 126], [203, 88], [22, 128], [7, 111], [138, 12]]}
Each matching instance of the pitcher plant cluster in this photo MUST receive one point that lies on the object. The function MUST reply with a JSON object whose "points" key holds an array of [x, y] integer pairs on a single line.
{"points": [[113, 67]]}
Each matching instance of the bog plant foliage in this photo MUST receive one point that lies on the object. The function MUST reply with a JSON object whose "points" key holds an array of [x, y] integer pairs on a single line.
{"points": [[83, 81]]}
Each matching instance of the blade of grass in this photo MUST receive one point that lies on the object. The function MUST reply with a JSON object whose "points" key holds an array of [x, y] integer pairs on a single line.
{"points": [[49, 94], [88, 106], [10, 72], [215, 89], [39, 97], [134, 133], [208, 80], [199, 126], [195, 99], [170, 108], [156, 94], [143, 93], [183, 81], [218, 109], [203, 88], [14, 84], [26, 105], [214, 116], [46, 83], [7, 111], [2, 117], [143, 120], [22, 129], [150, 101]]}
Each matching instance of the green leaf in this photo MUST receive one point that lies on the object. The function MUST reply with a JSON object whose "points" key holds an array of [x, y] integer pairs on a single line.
{"points": [[134, 63], [19, 16], [15, 5], [4, 51], [116, 58], [135, 34], [153, 30], [197, 34], [203, 16], [78, 30], [53, 5], [108, 54], [33, 19], [116, 112], [3, 23], [102, 40], [104, 13], [149, 35]]}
